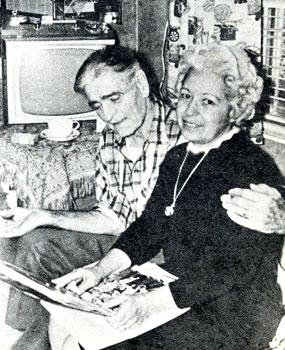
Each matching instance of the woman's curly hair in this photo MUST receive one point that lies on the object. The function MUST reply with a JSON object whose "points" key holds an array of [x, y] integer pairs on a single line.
{"points": [[243, 85]]}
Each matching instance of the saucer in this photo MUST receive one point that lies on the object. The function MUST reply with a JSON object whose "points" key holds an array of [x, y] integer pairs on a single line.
{"points": [[74, 135]]}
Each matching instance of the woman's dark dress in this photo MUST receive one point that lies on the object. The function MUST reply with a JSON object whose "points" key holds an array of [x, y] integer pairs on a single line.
{"points": [[227, 273]]}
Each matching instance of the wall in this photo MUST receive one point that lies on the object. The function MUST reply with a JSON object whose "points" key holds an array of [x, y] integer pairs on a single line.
{"points": [[152, 20], [144, 23], [128, 31]]}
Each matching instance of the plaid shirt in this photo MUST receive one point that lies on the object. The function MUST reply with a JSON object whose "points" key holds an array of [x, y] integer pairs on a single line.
{"points": [[124, 186]]}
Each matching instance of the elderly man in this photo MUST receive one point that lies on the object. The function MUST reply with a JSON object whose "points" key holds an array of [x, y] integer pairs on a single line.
{"points": [[138, 134]]}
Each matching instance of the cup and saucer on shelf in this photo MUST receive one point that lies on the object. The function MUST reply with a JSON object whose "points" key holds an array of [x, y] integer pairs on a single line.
{"points": [[61, 129]]}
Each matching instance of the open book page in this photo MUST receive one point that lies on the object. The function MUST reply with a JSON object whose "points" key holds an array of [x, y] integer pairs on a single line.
{"points": [[93, 332], [138, 279]]}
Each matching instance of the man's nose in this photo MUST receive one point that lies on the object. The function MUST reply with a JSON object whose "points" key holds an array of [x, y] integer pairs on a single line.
{"points": [[105, 113]]}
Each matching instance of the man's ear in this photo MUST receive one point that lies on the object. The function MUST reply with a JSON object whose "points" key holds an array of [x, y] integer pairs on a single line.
{"points": [[142, 83]]}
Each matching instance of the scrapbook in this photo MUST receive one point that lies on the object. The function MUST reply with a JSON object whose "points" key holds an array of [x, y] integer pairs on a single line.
{"points": [[138, 279], [84, 317]]}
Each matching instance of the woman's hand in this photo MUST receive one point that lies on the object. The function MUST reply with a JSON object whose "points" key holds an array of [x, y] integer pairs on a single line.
{"points": [[260, 208], [22, 221], [79, 280], [82, 279], [132, 311]]}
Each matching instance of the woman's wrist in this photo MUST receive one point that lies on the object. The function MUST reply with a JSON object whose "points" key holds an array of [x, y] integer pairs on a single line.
{"points": [[115, 260]]}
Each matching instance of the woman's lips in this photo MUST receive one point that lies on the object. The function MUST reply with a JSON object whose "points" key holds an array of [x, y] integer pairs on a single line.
{"points": [[191, 124]]}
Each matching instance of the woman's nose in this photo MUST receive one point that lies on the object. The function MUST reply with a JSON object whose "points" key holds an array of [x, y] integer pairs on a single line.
{"points": [[192, 108]]}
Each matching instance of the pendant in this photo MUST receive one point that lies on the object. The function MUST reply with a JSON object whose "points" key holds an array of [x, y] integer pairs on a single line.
{"points": [[169, 210]]}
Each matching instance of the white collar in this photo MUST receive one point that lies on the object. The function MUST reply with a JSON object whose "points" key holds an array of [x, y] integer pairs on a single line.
{"points": [[216, 143]]}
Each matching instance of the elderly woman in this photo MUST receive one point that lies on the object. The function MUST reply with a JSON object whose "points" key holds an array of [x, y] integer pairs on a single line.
{"points": [[227, 274]]}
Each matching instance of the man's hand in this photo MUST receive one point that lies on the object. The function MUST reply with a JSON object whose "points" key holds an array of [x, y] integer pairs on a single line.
{"points": [[79, 280], [259, 208], [22, 220]]}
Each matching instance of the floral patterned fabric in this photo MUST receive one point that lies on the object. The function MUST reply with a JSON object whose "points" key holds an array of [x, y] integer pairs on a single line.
{"points": [[49, 175]]}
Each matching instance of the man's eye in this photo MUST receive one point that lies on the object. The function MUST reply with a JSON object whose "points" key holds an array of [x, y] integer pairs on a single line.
{"points": [[115, 98], [95, 105], [185, 95]]}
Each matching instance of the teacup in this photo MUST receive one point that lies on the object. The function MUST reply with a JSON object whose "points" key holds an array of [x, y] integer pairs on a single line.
{"points": [[60, 128]]}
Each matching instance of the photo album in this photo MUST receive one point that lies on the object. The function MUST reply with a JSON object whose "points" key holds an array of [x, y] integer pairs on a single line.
{"points": [[138, 279]]}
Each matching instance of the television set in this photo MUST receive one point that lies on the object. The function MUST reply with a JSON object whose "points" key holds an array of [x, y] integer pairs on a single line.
{"points": [[39, 77]]}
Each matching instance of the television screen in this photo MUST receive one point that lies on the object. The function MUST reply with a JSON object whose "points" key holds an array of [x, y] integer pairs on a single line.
{"points": [[46, 82], [40, 77]]}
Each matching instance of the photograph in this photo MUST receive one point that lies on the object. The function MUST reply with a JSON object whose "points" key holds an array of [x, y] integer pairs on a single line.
{"points": [[142, 174]]}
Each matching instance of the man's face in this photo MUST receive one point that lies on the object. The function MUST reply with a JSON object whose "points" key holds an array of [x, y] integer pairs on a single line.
{"points": [[117, 99]]}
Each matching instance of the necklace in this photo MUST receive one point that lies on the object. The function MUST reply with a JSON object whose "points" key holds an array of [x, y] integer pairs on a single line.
{"points": [[169, 210]]}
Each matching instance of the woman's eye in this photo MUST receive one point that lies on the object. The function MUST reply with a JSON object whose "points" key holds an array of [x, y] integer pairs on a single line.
{"points": [[208, 102]]}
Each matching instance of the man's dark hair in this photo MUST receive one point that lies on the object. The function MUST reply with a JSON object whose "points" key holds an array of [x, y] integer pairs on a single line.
{"points": [[117, 57]]}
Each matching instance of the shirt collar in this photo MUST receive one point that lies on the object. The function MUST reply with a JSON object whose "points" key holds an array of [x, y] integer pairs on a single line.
{"points": [[216, 143]]}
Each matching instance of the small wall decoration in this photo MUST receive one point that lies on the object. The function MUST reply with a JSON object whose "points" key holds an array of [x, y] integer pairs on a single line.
{"points": [[179, 7], [208, 5], [253, 7], [227, 32], [173, 33], [174, 53], [222, 12]]}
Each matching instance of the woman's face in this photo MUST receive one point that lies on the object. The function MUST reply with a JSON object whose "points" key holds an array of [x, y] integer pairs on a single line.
{"points": [[202, 108]]}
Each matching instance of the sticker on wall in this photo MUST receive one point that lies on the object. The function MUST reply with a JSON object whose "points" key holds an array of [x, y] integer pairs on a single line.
{"points": [[240, 1], [228, 32], [196, 29], [179, 7], [192, 25], [174, 53], [198, 36], [216, 35], [222, 12], [208, 5], [173, 33], [253, 7]]}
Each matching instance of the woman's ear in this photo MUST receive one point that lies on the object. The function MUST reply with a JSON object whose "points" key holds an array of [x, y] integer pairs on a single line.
{"points": [[232, 113], [142, 83]]}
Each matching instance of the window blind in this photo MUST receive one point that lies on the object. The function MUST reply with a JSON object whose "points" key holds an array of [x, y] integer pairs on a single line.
{"points": [[273, 55]]}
